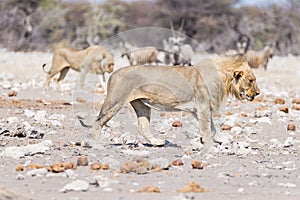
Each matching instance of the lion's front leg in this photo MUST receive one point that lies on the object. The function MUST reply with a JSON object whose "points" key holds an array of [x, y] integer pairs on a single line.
{"points": [[143, 113], [207, 128], [103, 83]]}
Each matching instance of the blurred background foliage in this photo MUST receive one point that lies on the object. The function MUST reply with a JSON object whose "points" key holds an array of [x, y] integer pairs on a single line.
{"points": [[27, 25]]}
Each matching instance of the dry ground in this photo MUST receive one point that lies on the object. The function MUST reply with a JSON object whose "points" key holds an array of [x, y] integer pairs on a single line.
{"points": [[262, 162]]}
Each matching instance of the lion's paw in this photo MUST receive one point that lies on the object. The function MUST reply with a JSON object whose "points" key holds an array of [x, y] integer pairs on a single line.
{"points": [[223, 138]]}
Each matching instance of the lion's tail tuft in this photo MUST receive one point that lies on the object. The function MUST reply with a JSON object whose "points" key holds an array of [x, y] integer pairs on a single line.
{"points": [[43, 66]]}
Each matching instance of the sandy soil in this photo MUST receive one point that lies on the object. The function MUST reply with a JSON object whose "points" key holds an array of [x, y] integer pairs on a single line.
{"points": [[262, 162]]}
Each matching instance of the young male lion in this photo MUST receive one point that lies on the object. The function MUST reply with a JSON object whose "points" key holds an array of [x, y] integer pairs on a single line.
{"points": [[94, 59], [199, 90]]}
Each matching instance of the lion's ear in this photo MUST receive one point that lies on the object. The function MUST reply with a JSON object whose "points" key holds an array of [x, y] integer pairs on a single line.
{"points": [[237, 75]]}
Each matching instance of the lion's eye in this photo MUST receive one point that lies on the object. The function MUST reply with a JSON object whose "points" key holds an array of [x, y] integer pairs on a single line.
{"points": [[251, 81]]}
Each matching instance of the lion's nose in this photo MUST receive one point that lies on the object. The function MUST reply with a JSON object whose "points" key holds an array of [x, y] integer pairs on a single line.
{"points": [[257, 93]]}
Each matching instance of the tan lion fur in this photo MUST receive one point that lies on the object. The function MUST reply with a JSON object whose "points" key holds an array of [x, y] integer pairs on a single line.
{"points": [[145, 55], [94, 59], [260, 58], [199, 90]]}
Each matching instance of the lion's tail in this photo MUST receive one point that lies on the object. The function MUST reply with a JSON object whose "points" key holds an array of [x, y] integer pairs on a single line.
{"points": [[43, 67], [82, 123]]}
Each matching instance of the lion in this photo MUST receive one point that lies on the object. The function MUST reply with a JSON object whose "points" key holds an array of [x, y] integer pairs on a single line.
{"points": [[260, 58], [200, 90], [94, 59]]}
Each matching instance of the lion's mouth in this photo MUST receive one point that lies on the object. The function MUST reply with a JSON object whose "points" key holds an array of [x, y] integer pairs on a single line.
{"points": [[243, 95]]}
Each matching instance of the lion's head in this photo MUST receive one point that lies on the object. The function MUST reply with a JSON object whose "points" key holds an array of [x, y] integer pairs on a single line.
{"points": [[108, 63], [244, 84]]}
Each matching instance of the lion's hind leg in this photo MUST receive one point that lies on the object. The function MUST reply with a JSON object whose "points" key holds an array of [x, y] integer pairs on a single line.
{"points": [[62, 75], [143, 113]]}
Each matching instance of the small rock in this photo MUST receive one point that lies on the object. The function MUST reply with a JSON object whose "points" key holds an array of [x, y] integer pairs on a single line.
{"points": [[295, 107], [78, 185], [40, 116], [34, 166], [20, 177], [296, 101], [139, 166], [284, 109], [287, 185], [20, 168], [34, 134], [29, 113], [56, 168], [288, 142], [37, 172], [250, 130], [177, 124], [226, 127], [291, 127], [28, 150], [150, 189], [80, 100], [6, 85], [177, 162], [196, 164], [192, 187], [12, 93], [70, 165], [82, 161], [263, 113], [236, 130], [11, 120], [279, 101], [98, 166], [69, 173], [19, 131]]}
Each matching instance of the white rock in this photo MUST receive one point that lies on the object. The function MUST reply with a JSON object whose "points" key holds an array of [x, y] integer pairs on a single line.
{"points": [[28, 113], [20, 177], [28, 150], [230, 120], [223, 138], [260, 120], [70, 173], [263, 113], [56, 123], [288, 142], [40, 116], [37, 172], [103, 181], [78, 185], [57, 117], [250, 130], [6, 85], [236, 130], [27, 125], [11, 120], [107, 190], [287, 185]]}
